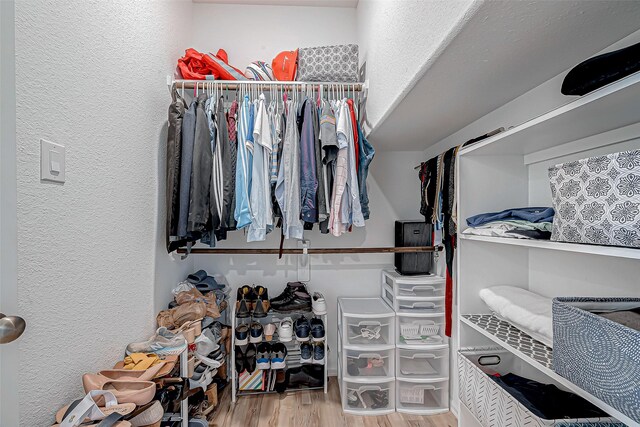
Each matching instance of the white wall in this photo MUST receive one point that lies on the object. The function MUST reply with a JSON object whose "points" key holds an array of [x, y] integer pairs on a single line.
{"points": [[251, 33], [91, 76], [399, 39]]}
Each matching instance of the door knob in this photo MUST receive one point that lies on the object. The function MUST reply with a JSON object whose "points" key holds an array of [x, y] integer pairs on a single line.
{"points": [[11, 327]]}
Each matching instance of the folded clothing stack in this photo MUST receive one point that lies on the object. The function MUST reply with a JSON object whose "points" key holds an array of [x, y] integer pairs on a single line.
{"points": [[518, 223]]}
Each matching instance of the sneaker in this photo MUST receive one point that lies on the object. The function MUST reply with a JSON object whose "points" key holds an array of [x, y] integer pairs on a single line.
{"points": [[303, 328], [278, 356], [289, 289], [285, 330], [295, 301], [255, 333], [306, 353], [164, 342], [317, 330], [263, 358], [206, 343], [242, 335], [318, 353], [318, 304], [269, 330], [261, 306]]}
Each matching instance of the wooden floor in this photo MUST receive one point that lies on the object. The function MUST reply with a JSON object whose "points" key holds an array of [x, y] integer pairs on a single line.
{"points": [[310, 409]]}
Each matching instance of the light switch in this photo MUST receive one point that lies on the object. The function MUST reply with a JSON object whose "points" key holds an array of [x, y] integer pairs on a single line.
{"points": [[51, 161]]}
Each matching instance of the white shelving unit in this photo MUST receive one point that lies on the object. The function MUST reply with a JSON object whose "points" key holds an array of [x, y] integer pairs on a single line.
{"points": [[293, 349], [510, 170]]}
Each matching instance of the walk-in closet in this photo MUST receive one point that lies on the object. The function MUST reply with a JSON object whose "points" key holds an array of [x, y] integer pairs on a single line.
{"points": [[279, 213]]}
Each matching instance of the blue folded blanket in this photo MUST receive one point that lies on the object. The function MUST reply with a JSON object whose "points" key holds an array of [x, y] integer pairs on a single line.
{"points": [[527, 214]]}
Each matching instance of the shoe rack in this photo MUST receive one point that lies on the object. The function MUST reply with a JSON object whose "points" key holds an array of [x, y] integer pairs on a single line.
{"points": [[293, 349]]}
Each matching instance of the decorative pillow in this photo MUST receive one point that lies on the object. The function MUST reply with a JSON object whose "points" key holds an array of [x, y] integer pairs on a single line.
{"points": [[328, 64], [597, 200]]}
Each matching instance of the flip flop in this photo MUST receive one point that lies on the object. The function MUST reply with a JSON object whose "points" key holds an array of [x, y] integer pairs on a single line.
{"points": [[86, 409]]}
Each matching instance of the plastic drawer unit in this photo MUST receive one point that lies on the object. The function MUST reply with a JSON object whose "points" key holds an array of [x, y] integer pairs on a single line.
{"points": [[420, 363], [401, 304], [420, 397], [421, 329], [376, 398], [425, 286], [365, 321]]}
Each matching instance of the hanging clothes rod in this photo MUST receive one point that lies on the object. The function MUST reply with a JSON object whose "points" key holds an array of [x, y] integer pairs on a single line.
{"points": [[313, 251], [263, 85]]}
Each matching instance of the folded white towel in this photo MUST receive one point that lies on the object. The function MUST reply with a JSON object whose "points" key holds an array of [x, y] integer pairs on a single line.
{"points": [[529, 312]]}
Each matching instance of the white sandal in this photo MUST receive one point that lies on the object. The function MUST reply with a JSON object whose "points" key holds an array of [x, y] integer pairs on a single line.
{"points": [[86, 409]]}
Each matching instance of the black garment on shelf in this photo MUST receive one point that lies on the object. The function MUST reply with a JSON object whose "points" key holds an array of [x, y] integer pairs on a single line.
{"points": [[546, 400], [601, 70], [532, 234]]}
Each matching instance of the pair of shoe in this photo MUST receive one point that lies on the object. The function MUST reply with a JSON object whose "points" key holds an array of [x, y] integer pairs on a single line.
{"points": [[305, 376], [271, 356], [252, 302], [245, 360], [309, 329], [164, 342], [252, 333], [312, 353]]}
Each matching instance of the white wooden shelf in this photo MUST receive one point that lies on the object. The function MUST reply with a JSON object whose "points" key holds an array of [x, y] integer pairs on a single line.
{"points": [[611, 251], [610, 107], [466, 320]]}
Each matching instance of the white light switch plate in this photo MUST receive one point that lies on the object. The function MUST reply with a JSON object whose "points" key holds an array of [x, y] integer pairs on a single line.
{"points": [[52, 159]]}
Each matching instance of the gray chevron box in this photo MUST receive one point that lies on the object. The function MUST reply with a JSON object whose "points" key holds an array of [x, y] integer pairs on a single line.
{"points": [[495, 407], [597, 354]]}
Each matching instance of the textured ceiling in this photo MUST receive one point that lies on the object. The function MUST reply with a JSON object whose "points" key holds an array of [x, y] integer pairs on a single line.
{"points": [[314, 3], [505, 49]]}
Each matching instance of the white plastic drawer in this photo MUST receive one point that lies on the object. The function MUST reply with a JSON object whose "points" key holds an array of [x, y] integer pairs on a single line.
{"points": [[424, 329], [368, 399], [412, 304], [422, 397], [428, 364], [366, 365], [427, 286], [367, 331]]}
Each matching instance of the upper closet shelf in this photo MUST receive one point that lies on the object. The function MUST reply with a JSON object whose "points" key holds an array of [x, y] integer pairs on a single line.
{"points": [[610, 107], [612, 251]]}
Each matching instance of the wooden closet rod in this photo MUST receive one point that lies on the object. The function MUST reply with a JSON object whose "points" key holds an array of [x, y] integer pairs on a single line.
{"points": [[313, 251], [263, 85]]}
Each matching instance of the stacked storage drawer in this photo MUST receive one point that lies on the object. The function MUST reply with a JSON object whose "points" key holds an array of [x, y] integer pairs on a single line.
{"points": [[422, 349], [366, 356]]}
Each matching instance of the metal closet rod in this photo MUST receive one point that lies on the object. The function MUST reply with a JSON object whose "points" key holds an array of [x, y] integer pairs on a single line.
{"points": [[263, 85], [313, 251]]}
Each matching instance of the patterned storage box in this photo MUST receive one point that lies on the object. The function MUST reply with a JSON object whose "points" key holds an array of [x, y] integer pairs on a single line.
{"points": [[492, 405], [597, 200], [328, 64], [597, 354]]}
